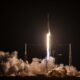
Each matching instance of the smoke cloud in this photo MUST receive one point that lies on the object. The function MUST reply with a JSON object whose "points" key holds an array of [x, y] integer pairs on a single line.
{"points": [[10, 65]]}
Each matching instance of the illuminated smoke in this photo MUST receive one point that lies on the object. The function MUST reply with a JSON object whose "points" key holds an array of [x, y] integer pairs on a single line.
{"points": [[12, 66]]}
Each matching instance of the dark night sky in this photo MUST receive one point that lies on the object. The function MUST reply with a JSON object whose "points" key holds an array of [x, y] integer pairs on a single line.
{"points": [[27, 22]]}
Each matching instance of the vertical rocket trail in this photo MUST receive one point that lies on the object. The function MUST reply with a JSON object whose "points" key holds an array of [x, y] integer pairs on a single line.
{"points": [[48, 40]]}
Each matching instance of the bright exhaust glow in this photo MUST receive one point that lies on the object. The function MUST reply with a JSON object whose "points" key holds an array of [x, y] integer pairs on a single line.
{"points": [[48, 45]]}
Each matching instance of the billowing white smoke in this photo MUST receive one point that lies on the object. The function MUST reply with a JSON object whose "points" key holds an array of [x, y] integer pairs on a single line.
{"points": [[72, 71], [10, 65]]}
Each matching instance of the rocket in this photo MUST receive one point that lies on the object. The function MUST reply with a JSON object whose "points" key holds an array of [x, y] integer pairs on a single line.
{"points": [[48, 39], [48, 23], [48, 50]]}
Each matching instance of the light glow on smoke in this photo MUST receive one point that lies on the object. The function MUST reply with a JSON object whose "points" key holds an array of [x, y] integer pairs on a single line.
{"points": [[48, 45], [12, 66]]}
